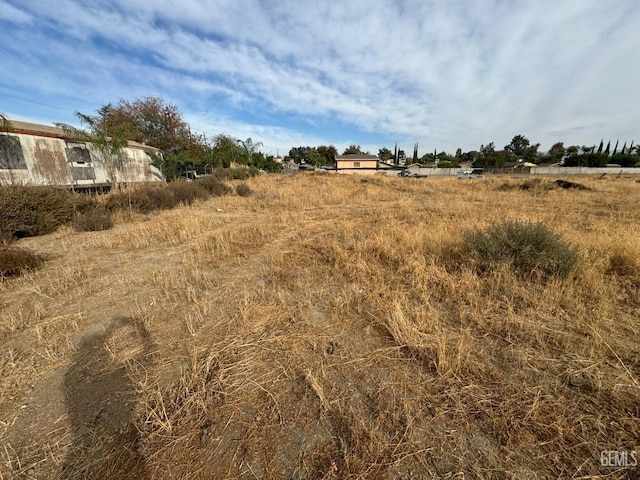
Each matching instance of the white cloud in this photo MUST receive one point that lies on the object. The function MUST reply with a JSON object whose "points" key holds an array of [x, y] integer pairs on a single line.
{"points": [[446, 74], [13, 14]]}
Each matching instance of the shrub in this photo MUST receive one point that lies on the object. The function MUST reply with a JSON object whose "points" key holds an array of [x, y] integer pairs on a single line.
{"points": [[188, 192], [235, 173], [143, 199], [14, 260], [623, 265], [535, 184], [506, 186], [31, 211], [526, 248], [243, 190], [93, 220], [214, 186]]}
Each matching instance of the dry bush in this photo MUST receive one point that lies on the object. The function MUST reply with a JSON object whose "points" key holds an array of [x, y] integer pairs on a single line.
{"points": [[526, 248], [188, 192], [214, 186], [243, 190], [142, 199], [622, 264], [536, 185], [94, 220], [234, 173], [30, 211], [15, 260]]}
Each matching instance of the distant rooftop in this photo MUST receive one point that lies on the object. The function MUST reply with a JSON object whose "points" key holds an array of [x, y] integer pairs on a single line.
{"points": [[356, 157]]}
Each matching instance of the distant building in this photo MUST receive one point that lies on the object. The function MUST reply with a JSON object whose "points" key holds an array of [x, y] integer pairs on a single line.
{"points": [[32, 154], [357, 164]]}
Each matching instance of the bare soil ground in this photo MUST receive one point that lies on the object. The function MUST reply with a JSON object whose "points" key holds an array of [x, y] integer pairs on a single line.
{"points": [[327, 327]]}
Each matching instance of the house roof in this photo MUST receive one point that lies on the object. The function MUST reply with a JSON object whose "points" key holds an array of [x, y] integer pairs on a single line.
{"points": [[36, 129], [356, 157]]}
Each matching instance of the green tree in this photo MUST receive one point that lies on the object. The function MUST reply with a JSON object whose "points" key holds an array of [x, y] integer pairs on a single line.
{"points": [[556, 152], [447, 161], [270, 165], [385, 154], [249, 147], [470, 156], [226, 149], [522, 148], [298, 154], [625, 159], [573, 151], [108, 140], [328, 154], [150, 121], [353, 150], [427, 158], [486, 157], [315, 158]]}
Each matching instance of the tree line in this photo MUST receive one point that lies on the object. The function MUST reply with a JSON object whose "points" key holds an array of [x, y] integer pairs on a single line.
{"points": [[152, 122], [518, 152]]}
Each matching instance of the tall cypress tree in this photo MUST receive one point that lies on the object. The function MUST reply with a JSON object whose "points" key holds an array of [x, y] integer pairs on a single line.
{"points": [[606, 150], [615, 148], [601, 145]]}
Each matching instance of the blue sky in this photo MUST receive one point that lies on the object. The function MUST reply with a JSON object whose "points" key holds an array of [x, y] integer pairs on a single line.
{"points": [[446, 74]]}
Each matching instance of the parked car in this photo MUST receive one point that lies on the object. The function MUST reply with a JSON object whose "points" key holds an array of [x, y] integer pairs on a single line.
{"points": [[404, 173], [475, 173]]}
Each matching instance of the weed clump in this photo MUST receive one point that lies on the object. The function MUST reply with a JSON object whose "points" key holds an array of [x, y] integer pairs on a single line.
{"points": [[243, 190], [526, 248], [214, 186], [533, 184], [15, 260], [28, 211], [623, 265], [145, 199], [187, 192], [93, 220], [235, 173]]}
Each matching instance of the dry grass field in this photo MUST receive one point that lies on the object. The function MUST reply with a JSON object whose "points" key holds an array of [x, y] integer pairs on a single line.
{"points": [[327, 327]]}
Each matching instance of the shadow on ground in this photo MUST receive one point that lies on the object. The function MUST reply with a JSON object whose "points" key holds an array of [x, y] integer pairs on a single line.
{"points": [[101, 402]]}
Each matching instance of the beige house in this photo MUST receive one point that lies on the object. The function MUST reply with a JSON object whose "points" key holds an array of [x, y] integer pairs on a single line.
{"points": [[358, 164]]}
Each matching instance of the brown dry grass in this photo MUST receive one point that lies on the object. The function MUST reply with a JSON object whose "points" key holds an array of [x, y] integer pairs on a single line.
{"points": [[326, 327]]}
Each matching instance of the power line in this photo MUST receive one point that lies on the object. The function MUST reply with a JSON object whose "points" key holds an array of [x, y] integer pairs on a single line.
{"points": [[32, 101]]}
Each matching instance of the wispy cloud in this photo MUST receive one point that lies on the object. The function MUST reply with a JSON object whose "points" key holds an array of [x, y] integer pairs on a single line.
{"points": [[446, 74]]}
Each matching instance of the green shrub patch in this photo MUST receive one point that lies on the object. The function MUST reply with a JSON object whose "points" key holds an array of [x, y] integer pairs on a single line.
{"points": [[526, 248]]}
